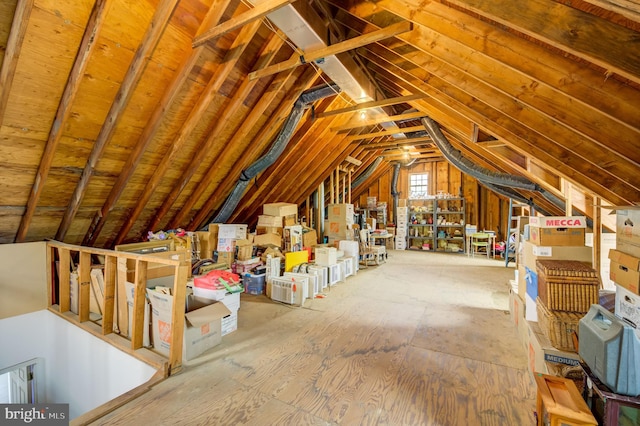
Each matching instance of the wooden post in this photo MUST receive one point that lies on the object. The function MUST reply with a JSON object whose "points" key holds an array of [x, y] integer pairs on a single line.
{"points": [[110, 269], [64, 261], [84, 286], [337, 180], [331, 200], [597, 233], [121, 304], [139, 296], [177, 319], [349, 187]]}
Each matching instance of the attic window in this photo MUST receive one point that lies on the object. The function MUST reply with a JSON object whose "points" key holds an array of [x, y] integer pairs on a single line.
{"points": [[418, 185]]}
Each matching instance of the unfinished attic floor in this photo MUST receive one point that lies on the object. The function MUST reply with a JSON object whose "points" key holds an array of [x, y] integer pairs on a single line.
{"points": [[424, 339]]}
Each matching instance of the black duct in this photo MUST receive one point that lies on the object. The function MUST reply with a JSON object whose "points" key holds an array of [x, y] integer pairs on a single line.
{"points": [[394, 189], [490, 179], [368, 172], [302, 103]]}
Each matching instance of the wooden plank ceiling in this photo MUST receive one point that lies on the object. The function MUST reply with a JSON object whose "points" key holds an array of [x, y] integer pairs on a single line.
{"points": [[119, 116]]}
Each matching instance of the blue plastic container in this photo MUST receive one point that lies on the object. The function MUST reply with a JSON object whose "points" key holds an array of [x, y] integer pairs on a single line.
{"points": [[254, 284]]}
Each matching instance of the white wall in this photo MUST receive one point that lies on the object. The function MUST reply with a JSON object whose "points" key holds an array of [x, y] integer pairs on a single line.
{"points": [[80, 369], [23, 278]]}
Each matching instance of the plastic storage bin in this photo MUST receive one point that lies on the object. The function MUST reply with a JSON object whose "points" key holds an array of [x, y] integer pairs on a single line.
{"points": [[254, 284]]}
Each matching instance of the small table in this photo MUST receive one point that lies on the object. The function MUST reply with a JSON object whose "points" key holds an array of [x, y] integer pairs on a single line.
{"points": [[386, 239]]}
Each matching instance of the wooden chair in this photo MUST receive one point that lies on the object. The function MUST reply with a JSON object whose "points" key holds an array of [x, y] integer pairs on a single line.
{"points": [[481, 241]]}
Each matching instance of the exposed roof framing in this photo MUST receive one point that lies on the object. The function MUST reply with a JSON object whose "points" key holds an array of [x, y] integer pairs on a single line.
{"points": [[119, 118]]}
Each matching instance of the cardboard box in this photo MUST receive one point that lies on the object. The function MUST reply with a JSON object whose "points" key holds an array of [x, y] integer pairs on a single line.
{"points": [[203, 319], [624, 270], [531, 252], [555, 222], [290, 220], [309, 237], [233, 231], [556, 236], [229, 323], [271, 221], [628, 226], [280, 209], [146, 334], [402, 202], [340, 211], [268, 240], [517, 315], [268, 230], [226, 245], [627, 305], [225, 257], [244, 249], [207, 243]]}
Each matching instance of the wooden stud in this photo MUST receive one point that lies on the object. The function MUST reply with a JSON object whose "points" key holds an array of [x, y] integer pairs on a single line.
{"points": [[84, 286], [110, 282], [64, 279], [177, 318], [139, 297]]}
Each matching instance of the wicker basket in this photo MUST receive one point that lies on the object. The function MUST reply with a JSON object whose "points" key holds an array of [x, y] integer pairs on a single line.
{"points": [[567, 285], [558, 326]]}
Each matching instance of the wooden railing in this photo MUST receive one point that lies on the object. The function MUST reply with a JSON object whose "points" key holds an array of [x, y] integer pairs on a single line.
{"points": [[116, 265]]}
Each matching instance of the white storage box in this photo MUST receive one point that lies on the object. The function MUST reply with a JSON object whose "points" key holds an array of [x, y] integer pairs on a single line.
{"points": [[234, 231], [229, 324], [627, 306], [350, 248], [326, 256]]}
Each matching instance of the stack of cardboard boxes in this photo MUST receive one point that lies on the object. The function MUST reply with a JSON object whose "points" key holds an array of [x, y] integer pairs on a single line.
{"points": [[402, 219], [625, 265], [339, 225], [544, 238], [271, 223]]}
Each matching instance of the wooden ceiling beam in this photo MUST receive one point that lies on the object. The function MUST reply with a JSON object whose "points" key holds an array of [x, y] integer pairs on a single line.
{"points": [[380, 120], [12, 51], [152, 126], [87, 45], [372, 37], [391, 132], [372, 104], [152, 36], [230, 60], [257, 12]]}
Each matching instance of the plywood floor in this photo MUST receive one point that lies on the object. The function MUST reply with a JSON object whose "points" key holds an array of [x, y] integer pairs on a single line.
{"points": [[424, 339]]}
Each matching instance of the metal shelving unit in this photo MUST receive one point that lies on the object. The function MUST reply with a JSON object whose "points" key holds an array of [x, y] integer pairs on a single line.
{"points": [[436, 224]]}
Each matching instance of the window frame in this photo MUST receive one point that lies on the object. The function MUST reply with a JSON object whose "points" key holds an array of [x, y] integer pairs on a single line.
{"points": [[425, 184]]}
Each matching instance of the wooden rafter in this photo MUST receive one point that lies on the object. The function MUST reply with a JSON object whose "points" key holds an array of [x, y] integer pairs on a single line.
{"points": [[372, 104], [245, 18], [142, 56], [222, 191], [568, 29], [344, 46], [217, 80], [153, 125], [92, 29], [203, 156], [12, 52]]}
